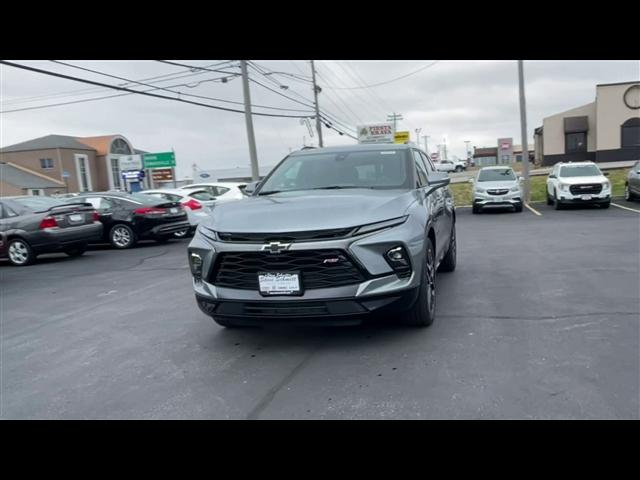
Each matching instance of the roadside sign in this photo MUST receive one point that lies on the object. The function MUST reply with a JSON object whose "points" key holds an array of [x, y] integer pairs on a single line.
{"points": [[401, 137], [133, 175], [65, 174], [162, 174], [375, 133], [130, 162], [159, 160]]}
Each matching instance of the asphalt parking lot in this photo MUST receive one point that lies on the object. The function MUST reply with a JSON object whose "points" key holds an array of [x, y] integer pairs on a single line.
{"points": [[539, 321]]}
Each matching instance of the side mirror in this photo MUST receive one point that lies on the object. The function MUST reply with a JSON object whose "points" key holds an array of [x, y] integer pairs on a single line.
{"points": [[606, 174], [521, 179], [438, 180], [471, 181], [552, 176], [251, 187]]}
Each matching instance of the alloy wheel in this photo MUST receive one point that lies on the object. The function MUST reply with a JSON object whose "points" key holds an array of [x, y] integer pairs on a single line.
{"points": [[121, 236], [18, 253]]}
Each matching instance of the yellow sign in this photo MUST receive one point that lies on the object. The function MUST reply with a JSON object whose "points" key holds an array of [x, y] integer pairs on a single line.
{"points": [[401, 137]]}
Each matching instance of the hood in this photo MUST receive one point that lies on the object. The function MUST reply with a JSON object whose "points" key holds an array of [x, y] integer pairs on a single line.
{"points": [[304, 210], [579, 180], [498, 185]]}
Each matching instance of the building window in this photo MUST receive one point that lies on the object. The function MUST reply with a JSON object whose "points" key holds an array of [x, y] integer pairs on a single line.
{"points": [[506, 158], [121, 147], [115, 173], [84, 175], [575, 142], [631, 133], [35, 192], [46, 163]]}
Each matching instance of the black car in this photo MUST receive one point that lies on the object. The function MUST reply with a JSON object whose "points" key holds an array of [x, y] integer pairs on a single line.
{"points": [[31, 226], [128, 218]]}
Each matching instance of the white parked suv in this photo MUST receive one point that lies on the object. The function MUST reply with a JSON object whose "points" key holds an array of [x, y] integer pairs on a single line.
{"points": [[450, 166], [578, 183], [222, 191]]}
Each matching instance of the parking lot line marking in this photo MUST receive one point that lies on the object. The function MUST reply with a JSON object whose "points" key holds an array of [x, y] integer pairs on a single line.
{"points": [[533, 209], [626, 208]]}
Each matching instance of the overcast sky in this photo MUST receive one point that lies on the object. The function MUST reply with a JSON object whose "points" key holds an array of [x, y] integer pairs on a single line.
{"points": [[452, 100]]}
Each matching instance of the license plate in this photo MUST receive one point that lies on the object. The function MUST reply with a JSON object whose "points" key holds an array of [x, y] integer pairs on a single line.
{"points": [[173, 210], [586, 197], [279, 283], [76, 218], [497, 199]]}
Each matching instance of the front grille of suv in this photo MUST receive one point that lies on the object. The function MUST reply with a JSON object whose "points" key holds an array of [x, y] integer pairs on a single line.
{"points": [[318, 268], [586, 189], [499, 191]]}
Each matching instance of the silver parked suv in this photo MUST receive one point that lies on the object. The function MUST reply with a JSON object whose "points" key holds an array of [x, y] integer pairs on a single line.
{"points": [[497, 187], [329, 236]]}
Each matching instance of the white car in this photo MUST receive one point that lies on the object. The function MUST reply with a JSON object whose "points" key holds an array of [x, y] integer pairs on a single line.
{"points": [[581, 183], [221, 191], [497, 187], [450, 166], [197, 203]]}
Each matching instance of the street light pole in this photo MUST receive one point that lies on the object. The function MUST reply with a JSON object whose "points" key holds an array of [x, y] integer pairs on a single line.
{"points": [[523, 131], [426, 143], [253, 154], [418, 130], [316, 90]]}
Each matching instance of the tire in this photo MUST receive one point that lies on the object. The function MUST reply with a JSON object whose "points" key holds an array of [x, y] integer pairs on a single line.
{"points": [[458, 169], [422, 313], [549, 199], [76, 251], [605, 204], [20, 252], [518, 208], [121, 236], [556, 203], [628, 194], [475, 209], [448, 263]]}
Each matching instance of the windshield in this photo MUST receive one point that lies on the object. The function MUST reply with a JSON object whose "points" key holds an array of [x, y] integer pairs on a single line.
{"points": [[580, 171], [496, 175], [38, 203], [357, 169]]}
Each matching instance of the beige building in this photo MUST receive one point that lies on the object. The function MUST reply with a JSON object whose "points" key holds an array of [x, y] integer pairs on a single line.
{"points": [[606, 130], [76, 164]]}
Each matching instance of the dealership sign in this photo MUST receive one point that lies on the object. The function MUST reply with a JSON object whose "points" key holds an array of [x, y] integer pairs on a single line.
{"points": [[130, 162], [401, 137], [159, 160], [375, 133], [162, 175]]}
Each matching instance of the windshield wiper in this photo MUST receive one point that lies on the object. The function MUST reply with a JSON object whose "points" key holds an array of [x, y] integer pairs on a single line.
{"points": [[338, 187], [269, 192]]}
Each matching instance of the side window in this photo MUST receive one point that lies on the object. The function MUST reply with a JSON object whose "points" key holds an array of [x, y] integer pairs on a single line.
{"points": [[420, 169], [204, 196], [222, 190], [427, 163], [94, 201]]}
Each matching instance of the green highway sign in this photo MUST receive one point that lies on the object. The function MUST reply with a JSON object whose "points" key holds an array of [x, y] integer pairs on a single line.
{"points": [[159, 160]]}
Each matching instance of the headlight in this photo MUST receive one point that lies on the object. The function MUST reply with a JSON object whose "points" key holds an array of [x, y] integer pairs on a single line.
{"points": [[515, 188], [372, 227], [480, 190], [563, 186], [606, 184], [195, 263]]}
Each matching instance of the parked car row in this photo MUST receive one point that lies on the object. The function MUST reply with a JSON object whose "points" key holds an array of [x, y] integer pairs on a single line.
{"points": [[34, 225]]}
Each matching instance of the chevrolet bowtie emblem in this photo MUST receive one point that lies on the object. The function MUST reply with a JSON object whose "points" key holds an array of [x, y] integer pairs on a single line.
{"points": [[275, 247]]}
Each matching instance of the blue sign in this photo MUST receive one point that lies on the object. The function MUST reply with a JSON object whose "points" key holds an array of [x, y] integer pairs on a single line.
{"points": [[65, 174]]}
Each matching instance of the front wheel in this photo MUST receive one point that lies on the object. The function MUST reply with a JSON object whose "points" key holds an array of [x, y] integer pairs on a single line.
{"points": [[628, 195], [20, 253], [458, 169], [518, 208], [605, 205], [423, 311], [556, 203]]}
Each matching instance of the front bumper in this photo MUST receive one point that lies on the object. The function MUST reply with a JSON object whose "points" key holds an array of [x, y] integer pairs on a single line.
{"points": [[566, 198], [488, 200], [330, 311]]}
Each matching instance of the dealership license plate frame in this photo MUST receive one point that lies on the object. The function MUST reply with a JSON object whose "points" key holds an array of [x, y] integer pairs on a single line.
{"points": [[76, 218], [286, 290], [586, 197]]}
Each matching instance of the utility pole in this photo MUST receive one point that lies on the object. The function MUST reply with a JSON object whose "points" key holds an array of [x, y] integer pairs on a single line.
{"points": [[316, 90], [523, 131], [445, 148], [394, 118], [426, 143], [418, 130], [253, 154]]}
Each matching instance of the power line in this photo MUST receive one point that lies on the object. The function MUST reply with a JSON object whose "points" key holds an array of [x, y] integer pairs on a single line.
{"points": [[114, 87], [389, 81], [86, 91], [355, 115], [177, 92]]}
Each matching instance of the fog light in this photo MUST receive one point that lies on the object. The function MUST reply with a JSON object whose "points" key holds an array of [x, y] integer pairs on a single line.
{"points": [[195, 262], [398, 259]]}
